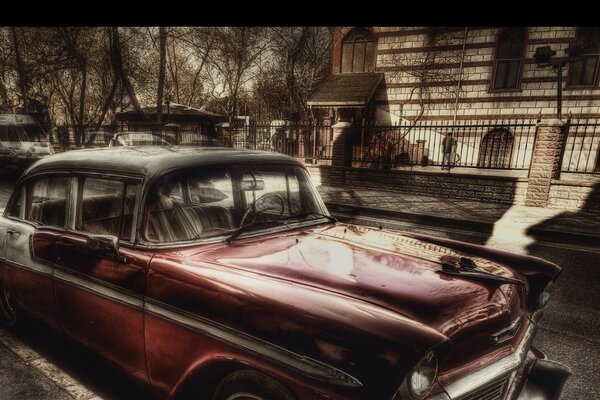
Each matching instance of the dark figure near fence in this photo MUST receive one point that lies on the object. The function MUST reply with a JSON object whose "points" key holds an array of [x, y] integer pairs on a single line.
{"points": [[449, 149]]}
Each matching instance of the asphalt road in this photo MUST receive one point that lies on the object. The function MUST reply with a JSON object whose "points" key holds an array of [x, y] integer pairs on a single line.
{"points": [[570, 329]]}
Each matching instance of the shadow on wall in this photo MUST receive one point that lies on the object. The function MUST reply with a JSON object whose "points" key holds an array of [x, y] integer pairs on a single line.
{"points": [[585, 222], [445, 202]]}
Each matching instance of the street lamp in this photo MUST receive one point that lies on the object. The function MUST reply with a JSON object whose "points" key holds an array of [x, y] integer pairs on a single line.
{"points": [[543, 57]]}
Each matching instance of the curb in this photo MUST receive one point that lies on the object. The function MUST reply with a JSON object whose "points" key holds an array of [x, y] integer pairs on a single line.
{"points": [[548, 235]]}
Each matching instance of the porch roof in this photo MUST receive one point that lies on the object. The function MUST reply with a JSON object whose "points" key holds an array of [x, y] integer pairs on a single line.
{"points": [[346, 90]]}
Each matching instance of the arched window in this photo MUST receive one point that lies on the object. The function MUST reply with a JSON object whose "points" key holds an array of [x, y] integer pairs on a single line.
{"points": [[583, 69], [358, 51], [509, 58], [496, 149]]}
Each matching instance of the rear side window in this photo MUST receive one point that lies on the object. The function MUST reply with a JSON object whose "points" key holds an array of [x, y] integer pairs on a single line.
{"points": [[106, 207], [47, 201]]}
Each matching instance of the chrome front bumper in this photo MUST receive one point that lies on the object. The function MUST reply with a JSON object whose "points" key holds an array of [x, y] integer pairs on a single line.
{"points": [[524, 375]]}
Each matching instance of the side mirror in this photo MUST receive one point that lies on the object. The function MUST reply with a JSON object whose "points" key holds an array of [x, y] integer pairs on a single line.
{"points": [[106, 245]]}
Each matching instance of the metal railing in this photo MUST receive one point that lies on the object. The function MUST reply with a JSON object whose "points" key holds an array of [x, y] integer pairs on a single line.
{"points": [[494, 144], [581, 151], [504, 144]]}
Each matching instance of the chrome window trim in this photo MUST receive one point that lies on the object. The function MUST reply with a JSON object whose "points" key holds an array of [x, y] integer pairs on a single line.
{"points": [[484, 376]]}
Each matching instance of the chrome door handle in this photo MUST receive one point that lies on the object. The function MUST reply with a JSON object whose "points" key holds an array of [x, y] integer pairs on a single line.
{"points": [[13, 232]]}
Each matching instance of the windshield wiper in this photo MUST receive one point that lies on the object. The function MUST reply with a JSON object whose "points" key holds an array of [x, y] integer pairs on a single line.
{"points": [[315, 213], [468, 268], [245, 228]]}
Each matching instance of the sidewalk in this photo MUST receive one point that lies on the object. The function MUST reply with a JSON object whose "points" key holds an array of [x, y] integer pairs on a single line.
{"points": [[542, 223]]}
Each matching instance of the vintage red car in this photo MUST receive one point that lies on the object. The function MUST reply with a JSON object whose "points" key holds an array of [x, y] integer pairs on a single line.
{"points": [[220, 267]]}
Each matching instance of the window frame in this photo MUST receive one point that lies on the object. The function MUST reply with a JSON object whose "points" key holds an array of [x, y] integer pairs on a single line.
{"points": [[352, 38], [125, 183], [22, 188], [521, 59], [579, 36]]}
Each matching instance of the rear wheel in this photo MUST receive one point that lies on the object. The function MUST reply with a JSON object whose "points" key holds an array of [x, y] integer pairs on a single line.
{"points": [[251, 385], [8, 307]]}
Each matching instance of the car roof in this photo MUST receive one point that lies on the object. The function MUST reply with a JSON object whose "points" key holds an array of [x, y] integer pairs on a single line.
{"points": [[150, 161]]}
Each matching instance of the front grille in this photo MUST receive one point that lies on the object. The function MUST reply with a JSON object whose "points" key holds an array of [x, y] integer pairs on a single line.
{"points": [[492, 391]]}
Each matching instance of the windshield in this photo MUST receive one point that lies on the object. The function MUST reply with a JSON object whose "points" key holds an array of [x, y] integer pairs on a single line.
{"points": [[22, 133], [139, 139], [207, 202]]}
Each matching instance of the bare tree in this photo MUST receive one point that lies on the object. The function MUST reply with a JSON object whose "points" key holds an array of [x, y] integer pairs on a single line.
{"points": [[298, 62], [119, 70], [161, 74], [21, 71], [236, 57], [434, 71]]}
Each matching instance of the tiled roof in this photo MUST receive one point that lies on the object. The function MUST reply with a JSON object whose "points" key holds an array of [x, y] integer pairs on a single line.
{"points": [[350, 90]]}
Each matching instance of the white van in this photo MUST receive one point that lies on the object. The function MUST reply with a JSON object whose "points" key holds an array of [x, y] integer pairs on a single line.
{"points": [[22, 141]]}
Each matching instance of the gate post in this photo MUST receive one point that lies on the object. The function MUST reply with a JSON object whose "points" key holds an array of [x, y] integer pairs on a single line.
{"points": [[545, 161], [340, 159]]}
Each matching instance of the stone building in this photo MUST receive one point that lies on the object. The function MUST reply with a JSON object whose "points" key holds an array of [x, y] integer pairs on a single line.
{"points": [[462, 73], [485, 85]]}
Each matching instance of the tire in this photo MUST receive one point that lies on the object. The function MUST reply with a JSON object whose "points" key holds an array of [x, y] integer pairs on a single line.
{"points": [[8, 307], [251, 385]]}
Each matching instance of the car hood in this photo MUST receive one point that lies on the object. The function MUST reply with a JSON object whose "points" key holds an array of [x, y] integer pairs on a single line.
{"points": [[391, 270]]}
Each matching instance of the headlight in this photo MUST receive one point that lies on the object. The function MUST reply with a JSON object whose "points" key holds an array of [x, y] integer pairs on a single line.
{"points": [[423, 375], [544, 296]]}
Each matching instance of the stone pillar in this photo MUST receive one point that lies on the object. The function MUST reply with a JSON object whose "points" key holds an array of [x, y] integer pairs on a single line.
{"points": [[546, 161], [340, 159]]}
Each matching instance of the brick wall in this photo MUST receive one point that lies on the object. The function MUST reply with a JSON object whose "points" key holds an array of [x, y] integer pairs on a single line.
{"points": [[402, 47], [471, 187], [575, 195]]}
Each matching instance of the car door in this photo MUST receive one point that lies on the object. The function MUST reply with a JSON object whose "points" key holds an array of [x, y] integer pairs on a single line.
{"points": [[38, 214], [99, 277]]}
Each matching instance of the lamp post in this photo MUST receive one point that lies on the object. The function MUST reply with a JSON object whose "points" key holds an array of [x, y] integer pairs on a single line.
{"points": [[543, 58]]}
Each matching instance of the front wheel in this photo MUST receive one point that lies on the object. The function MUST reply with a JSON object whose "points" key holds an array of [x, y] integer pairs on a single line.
{"points": [[8, 307], [251, 385]]}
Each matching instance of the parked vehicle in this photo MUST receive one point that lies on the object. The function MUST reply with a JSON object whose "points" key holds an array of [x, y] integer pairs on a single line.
{"points": [[222, 266], [115, 139], [22, 141]]}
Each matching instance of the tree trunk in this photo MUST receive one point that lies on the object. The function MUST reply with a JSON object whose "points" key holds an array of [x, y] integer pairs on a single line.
{"points": [[161, 74], [106, 105], [117, 62], [82, 93], [20, 70]]}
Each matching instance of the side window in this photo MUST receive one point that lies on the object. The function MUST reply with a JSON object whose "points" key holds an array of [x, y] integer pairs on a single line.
{"points": [[15, 209], [106, 207], [47, 201]]}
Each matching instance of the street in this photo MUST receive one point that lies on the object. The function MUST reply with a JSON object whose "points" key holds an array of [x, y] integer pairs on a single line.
{"points": [[570, 329]]}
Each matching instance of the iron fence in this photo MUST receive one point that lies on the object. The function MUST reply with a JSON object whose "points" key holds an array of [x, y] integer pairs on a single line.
{"points": [[496, 144], [581, 151]]}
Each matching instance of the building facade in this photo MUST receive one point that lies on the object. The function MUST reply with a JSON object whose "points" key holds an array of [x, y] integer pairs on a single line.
{"points": [[468, 72], [403, 90]]}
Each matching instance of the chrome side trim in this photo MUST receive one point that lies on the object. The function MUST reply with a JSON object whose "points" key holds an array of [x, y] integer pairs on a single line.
{"points": [[299, 363], [38, 268], [494, 371], [99, 289]]}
